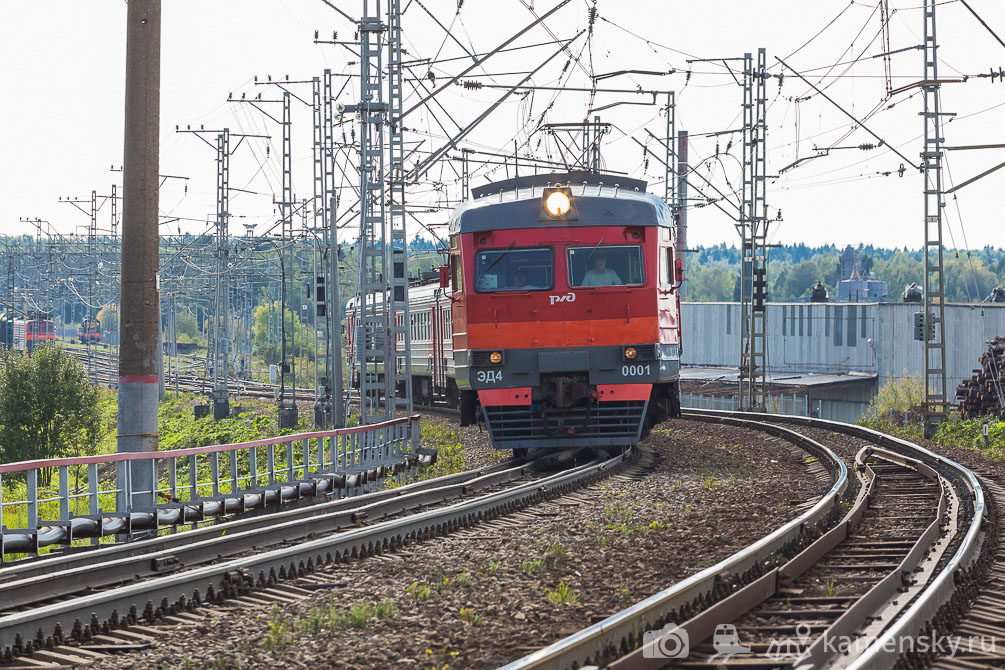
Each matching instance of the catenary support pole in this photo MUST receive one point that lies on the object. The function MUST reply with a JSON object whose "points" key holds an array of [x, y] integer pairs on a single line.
{"points": [[140, 318], [682, 170]]}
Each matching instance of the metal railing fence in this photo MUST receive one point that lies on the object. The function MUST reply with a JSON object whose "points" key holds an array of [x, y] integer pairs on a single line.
{"points": [[57, 501]]}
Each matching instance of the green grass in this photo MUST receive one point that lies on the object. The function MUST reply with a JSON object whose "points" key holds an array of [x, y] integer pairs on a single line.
{"points": [[283, 631], [970, 434], [530, 567], [562, 594], [449, 453]]}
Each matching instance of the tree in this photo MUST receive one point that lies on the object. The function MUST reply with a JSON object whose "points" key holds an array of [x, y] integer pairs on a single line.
{"points": [[299, 341], [48, 407], [801, 279], [108, 316], [865, 262], [709, 283], [187, 327], [899, 271]]}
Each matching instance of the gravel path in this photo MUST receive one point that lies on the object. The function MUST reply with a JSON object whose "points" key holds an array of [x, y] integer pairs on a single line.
{"points": [[491, 593]]}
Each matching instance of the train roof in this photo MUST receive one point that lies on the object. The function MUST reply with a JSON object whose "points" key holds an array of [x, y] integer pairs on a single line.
{"points": [[417, 293], [598, 200]]}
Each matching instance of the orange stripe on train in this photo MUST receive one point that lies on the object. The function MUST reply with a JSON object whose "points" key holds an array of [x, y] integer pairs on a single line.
{"points": [[593, 333]]}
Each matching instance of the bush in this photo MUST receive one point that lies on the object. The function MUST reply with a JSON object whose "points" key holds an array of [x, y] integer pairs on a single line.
{"points": [[970, 434], [886, 411], [48, 407]]}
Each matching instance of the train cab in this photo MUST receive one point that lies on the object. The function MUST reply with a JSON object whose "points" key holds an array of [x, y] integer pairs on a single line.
{"points": [[566, 315]]}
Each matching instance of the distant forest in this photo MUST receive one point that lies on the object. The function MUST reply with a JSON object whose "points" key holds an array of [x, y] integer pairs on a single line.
{"points": [[713, 272]]}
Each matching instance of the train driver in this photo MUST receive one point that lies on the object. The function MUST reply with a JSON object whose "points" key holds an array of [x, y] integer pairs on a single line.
{"points": [[519, 280], [601, 275], [519, 283]]}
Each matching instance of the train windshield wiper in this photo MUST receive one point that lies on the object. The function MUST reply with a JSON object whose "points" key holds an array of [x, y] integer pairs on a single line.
{"points": [[594, 250], [500, 256]]}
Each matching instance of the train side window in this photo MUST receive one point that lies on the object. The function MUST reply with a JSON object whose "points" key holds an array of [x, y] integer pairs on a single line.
{"points": [[668, 267], [456, 278]]}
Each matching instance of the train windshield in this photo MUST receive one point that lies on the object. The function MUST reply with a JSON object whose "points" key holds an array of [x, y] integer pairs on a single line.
{"points": [[514, 270], [610, 265]]}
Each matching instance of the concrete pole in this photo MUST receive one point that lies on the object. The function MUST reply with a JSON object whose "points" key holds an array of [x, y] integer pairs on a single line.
{"points": [[139, 319]]}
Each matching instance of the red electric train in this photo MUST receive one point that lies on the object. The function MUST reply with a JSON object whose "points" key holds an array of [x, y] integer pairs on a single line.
{"points": [[559, 323]]}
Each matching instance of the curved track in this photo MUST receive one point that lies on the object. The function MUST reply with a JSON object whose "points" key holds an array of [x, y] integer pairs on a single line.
{"points": [[899, 565], [892, 552]]}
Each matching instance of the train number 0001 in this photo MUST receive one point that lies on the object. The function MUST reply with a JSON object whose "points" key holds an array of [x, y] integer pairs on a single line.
{"points": [[635, 370], [489, 376]]}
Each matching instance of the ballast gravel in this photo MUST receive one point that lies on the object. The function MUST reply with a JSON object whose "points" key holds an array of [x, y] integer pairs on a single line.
{"points": [[494, 592]]}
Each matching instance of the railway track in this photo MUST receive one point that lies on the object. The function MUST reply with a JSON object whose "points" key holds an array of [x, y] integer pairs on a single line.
{"points": [[834, 587], [172, 574], [87, 598], [190, 377], [899, 568]]}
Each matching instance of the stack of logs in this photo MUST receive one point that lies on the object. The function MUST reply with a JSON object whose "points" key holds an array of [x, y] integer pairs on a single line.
{"points": [[982, 394]]}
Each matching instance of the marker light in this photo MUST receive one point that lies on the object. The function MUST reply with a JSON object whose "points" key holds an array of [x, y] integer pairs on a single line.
{"points": [[496, 357], [558, 203], [631, 353]]}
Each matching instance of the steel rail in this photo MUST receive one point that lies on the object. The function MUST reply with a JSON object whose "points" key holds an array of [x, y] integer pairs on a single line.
{"points": [[880, 598], [698, 590], [924, 612], [87, 615], [624, 628], [49, 564], [35, 581]]}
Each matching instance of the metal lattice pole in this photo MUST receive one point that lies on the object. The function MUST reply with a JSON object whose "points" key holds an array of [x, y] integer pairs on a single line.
{"points": [[669, 174], [288, 368], [322, 397], [400, 382], [372, 322], [753, 229], [681, 208], [334, 312], [221, 311], [383, 336], [936, 405]]}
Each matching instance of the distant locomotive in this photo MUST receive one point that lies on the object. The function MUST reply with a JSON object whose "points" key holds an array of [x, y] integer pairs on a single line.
{"points": [[90, 331], [559, 323], [26, 333]]}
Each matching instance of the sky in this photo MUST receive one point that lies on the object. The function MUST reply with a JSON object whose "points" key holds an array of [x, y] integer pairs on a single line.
{"points": [[61, 120]]}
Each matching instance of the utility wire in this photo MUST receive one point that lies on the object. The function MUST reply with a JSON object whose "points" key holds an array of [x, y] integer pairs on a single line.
{"points": [[846, 113]]}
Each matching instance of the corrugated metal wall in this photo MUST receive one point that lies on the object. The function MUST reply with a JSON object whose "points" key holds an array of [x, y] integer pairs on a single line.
{"points": [[842, 337]]}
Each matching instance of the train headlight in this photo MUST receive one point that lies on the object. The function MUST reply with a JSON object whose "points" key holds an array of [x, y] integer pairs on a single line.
{"points": [[558, 203], [631, 353], [495, 357]]}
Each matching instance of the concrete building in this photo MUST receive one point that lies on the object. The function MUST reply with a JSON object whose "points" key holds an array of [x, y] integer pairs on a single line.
{"points": [[853, 287], [833, 355]]}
